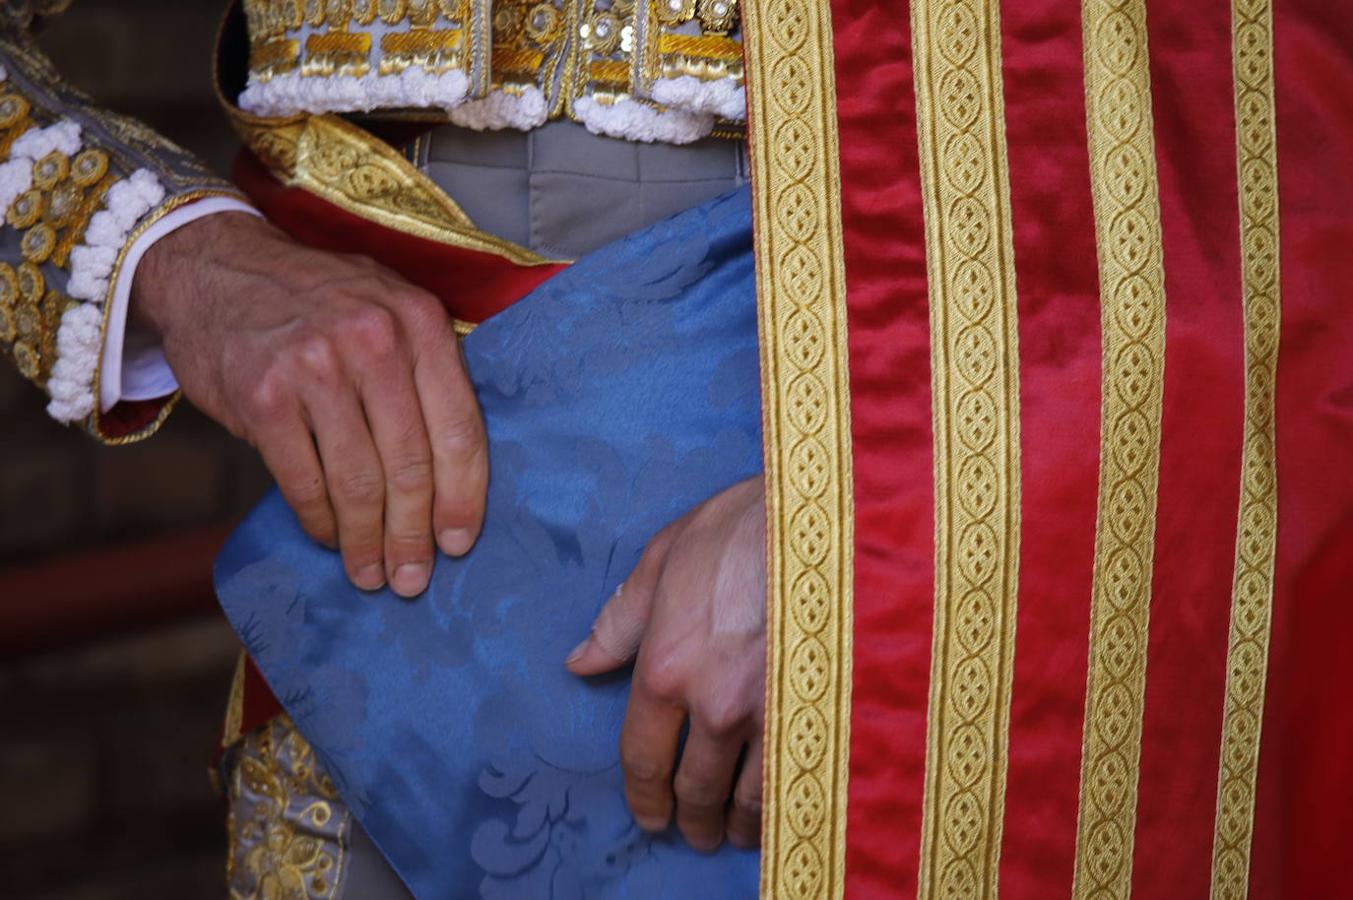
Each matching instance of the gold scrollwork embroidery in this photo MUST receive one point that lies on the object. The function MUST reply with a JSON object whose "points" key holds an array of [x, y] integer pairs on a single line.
{"points": [[343, 164], [975, 377], [287, 829], [1132, 301], [806, 414], [1257, 522]]}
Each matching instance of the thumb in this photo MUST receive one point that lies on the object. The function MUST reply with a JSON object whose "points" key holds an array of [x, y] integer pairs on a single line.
{"points": [[619, 627]]}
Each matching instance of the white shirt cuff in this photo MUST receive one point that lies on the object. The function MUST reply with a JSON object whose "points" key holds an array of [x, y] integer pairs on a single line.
{"points": [[133, 365]]}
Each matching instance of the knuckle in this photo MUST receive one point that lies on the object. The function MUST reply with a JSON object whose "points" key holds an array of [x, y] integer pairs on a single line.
{"points": [[423, 310], [642, 766], [361, 487], [721, 719], [662, 677], [268, 396], [748, 801], [372, 332], [316, 356], [412, 475], [698, 791], [462, 437]]}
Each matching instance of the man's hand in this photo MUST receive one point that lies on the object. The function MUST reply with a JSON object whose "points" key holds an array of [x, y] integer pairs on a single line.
{"points": [[692, 616], [345, 377]]}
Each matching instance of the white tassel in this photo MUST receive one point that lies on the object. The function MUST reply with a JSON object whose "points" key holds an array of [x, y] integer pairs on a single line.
{"points": [[636, 121], [500, 109], [36, 143], [723, 97], [16, 177], [79, 341], [292, 93]]}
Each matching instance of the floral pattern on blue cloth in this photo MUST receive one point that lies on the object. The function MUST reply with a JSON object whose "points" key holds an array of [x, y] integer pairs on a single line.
{"points": [[618, 395]]}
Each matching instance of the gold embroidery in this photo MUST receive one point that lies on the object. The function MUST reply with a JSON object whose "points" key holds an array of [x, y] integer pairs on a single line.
{"points": [[708, 46], [287, 829], [355, 171], [434, 51], [801, 297], [1132, 292], [975, 376], [232, 728], [517, 61], [96, 423], [610, 71], [337, 53], [1257, 523], [269, 58]]}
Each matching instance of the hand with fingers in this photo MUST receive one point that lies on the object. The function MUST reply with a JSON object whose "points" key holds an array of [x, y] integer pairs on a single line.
{"points": [[344, 376], [691, 617]]}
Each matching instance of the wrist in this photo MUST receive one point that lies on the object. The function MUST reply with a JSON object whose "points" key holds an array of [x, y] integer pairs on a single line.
{"points": [[169, 279]]}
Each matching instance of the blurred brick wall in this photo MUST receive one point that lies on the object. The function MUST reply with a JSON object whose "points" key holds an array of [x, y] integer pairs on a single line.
{"points": [[103, 765]]}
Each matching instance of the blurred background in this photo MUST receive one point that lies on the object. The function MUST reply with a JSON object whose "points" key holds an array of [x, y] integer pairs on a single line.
{"points": [[114, 664]]}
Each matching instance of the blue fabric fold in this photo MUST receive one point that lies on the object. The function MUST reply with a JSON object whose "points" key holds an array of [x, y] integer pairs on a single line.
{"points": [[617, 396]]}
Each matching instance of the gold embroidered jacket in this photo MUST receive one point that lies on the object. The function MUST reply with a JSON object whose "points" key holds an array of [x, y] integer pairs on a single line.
{"points": [[77, 186]]}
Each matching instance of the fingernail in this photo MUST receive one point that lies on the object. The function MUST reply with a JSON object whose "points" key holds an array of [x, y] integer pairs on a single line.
{"points": [[578, 651], [371, 578], [455, 541], [411, 579]]}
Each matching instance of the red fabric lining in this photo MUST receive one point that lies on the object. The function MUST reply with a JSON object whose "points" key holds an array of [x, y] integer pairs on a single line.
{"points": [[472, 284]]}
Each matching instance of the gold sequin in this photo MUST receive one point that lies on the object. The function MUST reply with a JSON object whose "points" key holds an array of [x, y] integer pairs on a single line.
{"points": [[13, 109], [364, 11], [38, 243], [507, 22], [26, 210], [89, 166], [391, 11], [717, 16], [31, 283], [28, 321], [542, 25], [674, 12], [27, 359], [602, 34], [9, 285], [50, 170]]}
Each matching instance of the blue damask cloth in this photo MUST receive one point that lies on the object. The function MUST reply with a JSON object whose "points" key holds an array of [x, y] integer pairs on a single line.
{"points": [[618, 395]]}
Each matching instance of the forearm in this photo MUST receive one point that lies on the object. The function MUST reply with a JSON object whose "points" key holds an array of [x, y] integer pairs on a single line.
{"points": [[79, 186]]}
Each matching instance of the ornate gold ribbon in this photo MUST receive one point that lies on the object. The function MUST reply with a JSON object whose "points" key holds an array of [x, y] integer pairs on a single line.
{"points": [[1132, 292], [975, 375], [1257, 529], [806, 413]]}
